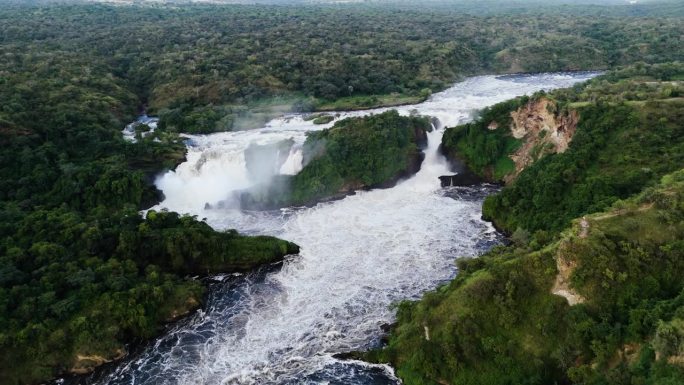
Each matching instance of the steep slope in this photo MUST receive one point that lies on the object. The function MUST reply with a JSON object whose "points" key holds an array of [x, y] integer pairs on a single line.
{"points": [[532, 129], [593, 300], [611, 138], [502, 320]]}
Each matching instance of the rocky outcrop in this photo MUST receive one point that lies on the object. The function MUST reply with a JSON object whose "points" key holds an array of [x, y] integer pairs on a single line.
{"points": [[420, 136], [543, 131], [274, 194], [355, 154], [508, 138], [84, 364], [459, 180], [188, 307], [463, 176]]}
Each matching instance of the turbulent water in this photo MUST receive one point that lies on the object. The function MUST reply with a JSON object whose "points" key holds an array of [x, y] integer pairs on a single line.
{"points": [[359, 256], [129, 133]]}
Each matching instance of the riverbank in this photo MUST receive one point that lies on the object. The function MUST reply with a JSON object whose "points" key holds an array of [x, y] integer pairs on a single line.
{"points": [[589, 289], [83, 273], [355, 253]]}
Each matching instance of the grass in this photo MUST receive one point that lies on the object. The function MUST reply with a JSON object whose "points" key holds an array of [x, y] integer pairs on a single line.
{"points": [[498, 321], [503, 166]]}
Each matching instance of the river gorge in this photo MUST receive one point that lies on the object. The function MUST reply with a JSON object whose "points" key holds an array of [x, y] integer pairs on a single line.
{"points": [[284, 324]]}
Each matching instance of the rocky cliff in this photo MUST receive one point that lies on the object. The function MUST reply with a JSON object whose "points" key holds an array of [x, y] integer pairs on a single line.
{"points": [[509, 137], [542, 131]]}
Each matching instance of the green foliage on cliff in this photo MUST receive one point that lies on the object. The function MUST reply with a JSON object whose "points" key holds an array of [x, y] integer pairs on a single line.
{"points": [[621, 146], [499, 323], [355, 153], [628, 136], [81, 272], [483, 147], [359, 152]]}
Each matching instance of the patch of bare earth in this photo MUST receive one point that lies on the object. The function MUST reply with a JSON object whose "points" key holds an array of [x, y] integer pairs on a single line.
{"points": [[542, 130], [565, 268]]}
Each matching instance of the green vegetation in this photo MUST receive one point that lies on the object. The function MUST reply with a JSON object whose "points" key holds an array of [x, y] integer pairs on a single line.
{"points": [[499, 323], [207, 68], [355, 153], [323, 119], [84, 283], [628, 136], [81, 273], [484, 150], [621, 271]]}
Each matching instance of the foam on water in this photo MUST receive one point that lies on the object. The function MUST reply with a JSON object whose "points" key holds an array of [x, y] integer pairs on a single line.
{"points": [[128, 132], [358, 256]]}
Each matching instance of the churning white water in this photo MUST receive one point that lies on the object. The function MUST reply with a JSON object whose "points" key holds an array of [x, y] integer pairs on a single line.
{"points": [[359, 255]]}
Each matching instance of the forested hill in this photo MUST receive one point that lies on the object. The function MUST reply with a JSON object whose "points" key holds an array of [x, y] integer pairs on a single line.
{"points": [[613, 136], [81, 272], [590, 290], [207, 68]]}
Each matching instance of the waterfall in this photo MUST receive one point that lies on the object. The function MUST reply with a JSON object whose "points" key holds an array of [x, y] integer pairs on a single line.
{"points": [[293, 164], [359, 256]]}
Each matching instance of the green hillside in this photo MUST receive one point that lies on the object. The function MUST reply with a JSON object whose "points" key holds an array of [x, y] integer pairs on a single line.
{"points": [[591, 300]]}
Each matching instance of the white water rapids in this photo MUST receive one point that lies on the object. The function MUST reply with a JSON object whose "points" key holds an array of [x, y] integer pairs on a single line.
{"points": [[359, 255]]}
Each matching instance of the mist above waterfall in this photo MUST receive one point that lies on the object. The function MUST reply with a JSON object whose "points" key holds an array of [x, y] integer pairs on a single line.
{"points": [[221, 165], [263, 161]]}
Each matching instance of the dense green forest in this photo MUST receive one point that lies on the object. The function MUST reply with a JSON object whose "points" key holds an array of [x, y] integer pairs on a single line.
{"points": [[209, 68], [499, 323], [504, 320], [356, 153], [82, 273]]}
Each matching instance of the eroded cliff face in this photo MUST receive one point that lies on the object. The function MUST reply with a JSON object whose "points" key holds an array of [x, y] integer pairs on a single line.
{"points": [[542, 130]]}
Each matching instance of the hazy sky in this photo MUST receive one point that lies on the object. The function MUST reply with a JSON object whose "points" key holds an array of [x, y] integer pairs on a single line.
{"points": [[420, 2]]}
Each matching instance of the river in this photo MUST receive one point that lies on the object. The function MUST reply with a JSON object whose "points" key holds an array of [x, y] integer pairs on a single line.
{"points": [[359, 256]]}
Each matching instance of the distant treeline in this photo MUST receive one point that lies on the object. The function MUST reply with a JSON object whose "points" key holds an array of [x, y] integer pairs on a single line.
{"points": [[209, 68]]}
